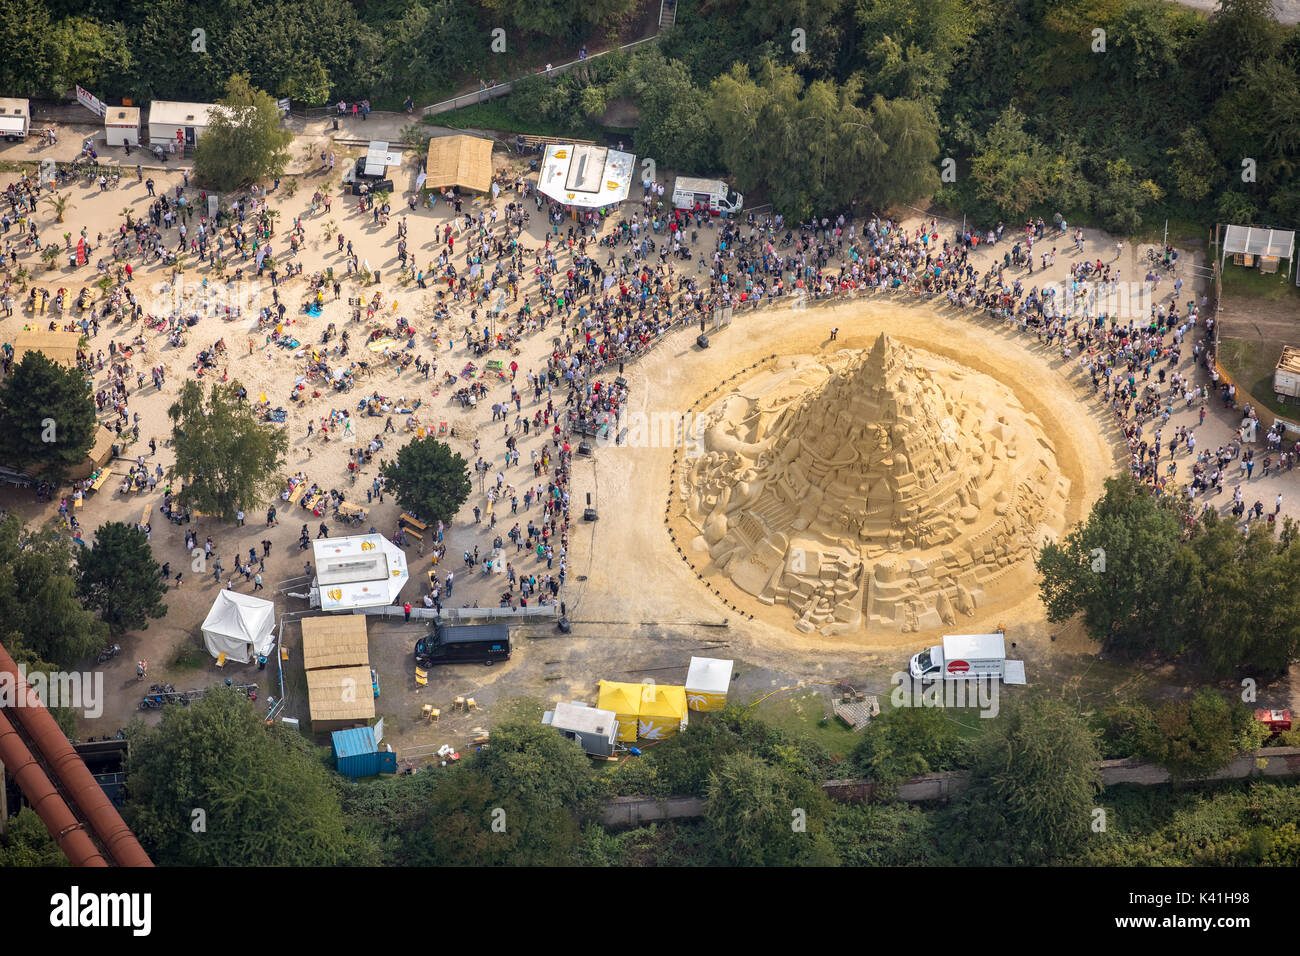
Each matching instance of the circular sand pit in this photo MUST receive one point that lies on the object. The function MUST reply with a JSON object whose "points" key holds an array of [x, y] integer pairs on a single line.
{"points": [[887, 489]]}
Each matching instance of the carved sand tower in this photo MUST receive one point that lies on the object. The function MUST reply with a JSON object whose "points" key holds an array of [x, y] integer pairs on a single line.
{"points": [[889, 489]]}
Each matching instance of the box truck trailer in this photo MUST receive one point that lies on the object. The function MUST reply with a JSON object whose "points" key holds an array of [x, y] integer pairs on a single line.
{"points": [[967, 657], [706, 195]]}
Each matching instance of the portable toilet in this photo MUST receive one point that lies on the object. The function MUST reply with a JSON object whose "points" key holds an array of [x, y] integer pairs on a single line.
{"points": [[625, 701], [122, 125], [707, 683], [595, 730], [662, 713]]}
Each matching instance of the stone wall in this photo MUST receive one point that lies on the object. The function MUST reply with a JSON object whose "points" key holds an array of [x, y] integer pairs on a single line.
{"points": [[1269, 762]]}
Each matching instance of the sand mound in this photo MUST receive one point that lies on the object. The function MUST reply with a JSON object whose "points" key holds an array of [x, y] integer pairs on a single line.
{"points": [[889, 489]]}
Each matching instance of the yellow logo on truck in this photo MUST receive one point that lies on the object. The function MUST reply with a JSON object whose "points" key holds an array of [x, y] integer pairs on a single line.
{"points": [[367, 546], [335, 594]]}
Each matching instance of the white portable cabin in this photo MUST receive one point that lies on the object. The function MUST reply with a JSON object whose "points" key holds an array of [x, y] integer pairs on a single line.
{"points": [[1286, 376], [707, 683], [594, 730], [15, 118], [357, 571], [179, 123], [122, 125]]}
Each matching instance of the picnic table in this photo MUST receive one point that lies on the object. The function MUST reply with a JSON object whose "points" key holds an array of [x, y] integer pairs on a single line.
{"points": [[98, 483], [297, 492]]}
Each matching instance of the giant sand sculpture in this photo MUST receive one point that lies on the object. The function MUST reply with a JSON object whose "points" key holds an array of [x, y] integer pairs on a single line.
{"points": [[891, 489]]}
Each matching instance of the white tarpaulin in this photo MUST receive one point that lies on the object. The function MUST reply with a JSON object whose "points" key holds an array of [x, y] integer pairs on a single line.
{"points": [[239, 625]]}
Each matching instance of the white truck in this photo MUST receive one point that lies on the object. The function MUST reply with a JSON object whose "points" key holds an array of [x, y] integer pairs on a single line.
{"points": [[15, 115], [967, 657], [706, 195]]}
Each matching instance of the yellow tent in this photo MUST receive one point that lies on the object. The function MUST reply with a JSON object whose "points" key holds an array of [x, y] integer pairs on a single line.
{"points": [[625, 701], [663, 711], [707, 683]]}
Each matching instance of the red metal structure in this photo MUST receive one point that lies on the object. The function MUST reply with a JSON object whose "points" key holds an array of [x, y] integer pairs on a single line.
{"points": [[83, 793], [71, 837]]}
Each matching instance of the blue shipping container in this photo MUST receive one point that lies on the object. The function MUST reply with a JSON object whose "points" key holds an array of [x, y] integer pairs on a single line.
{"points": [[355, 752]]}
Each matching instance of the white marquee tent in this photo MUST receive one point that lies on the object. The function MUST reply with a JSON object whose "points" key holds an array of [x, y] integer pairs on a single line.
{"points": [[239, 626]]}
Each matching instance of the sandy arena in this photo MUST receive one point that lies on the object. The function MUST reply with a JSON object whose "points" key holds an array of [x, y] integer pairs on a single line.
{"points": [[634, 573]]}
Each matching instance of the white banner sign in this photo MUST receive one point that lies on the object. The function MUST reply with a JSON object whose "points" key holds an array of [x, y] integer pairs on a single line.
{"points": [[283, 105], [91, 103]]}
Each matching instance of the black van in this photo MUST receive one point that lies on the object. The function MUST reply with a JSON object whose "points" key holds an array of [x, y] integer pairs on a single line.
{"points": [[464, 643]]}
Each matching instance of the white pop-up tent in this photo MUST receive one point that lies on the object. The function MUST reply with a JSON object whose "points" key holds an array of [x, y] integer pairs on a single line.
{"points": [[239, 626]]}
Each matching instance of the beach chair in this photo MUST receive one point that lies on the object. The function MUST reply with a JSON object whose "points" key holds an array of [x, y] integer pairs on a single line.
{"points": [[221, 659], [442, 429], [421, 677]]}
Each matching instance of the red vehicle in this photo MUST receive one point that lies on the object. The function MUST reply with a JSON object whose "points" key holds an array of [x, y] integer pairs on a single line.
{"points": [[1275, 720]]}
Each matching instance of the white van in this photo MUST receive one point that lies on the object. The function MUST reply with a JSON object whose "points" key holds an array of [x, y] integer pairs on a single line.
{"points": [[706, 195], [967, 657]]}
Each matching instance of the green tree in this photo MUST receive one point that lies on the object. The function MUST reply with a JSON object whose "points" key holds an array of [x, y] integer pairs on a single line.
{"points": [[1123, 197], [428, 479], [561, 18], [226, 457], [1199, 735], [1248, 615], [42, 621], [674, 126], [120, 578], [26, 842], [1241, 32], [1124, 729], [243, 142], [1034, 781], [47, 415], [521, 802], [912, 45], [85, 52], [1013, 171], [24, 26], [266, 797], [430, 44], [906, 741], [1125, 571], [766, 815], [1196, 170]]}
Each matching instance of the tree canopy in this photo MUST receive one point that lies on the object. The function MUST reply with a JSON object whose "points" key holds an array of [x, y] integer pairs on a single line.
{"points": [[120, 578], [1147, 579], [42, 620], [428, 479], [226, 457], [243, 142], [47, 415], [213, 785]]}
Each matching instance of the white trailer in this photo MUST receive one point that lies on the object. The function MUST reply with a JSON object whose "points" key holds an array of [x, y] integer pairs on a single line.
{"points": [[706, 195], [15, 118], [1286, 377], [967, 657]]}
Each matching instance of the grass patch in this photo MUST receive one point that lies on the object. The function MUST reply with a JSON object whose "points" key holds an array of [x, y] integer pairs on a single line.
{"points": [[190, 656], [1251, 364], [1238, 280], [801, 716]]}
